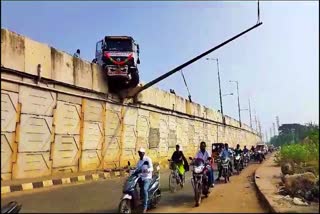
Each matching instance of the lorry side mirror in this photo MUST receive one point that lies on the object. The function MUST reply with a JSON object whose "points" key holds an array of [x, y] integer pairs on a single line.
{"points": [[138, 61]]}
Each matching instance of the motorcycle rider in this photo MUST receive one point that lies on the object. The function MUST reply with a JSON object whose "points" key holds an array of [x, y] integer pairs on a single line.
{"points": [[245, 150], [224, 153], [146, 167], [252, 149], [253, 153], [180, 161], [238, 151], [231, 155], [204, 155]]}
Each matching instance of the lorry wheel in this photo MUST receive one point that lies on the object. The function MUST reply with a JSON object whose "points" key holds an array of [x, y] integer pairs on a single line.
{"points": [[134, 79], [111, 85]]}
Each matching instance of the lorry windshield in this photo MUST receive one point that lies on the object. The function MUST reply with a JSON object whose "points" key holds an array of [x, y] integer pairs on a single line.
{"points": [[119, 45]]}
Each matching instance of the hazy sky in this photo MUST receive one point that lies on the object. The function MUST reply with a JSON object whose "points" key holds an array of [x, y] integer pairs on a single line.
{"points": [[276, 64]]}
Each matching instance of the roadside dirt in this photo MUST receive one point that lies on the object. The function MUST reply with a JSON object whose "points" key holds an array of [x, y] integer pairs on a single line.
{"points": [[239, 195], [270, 177]]}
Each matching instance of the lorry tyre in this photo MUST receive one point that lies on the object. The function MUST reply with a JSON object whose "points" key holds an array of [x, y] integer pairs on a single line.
{"points": [[134, 79]]}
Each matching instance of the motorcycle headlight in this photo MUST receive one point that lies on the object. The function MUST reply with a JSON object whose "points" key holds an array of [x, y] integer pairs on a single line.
{"points": [[224, 161], [198, 169]]}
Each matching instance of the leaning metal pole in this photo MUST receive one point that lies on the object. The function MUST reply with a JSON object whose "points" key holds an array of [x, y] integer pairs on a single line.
{"points": [[151, 83], [220, 89], [238, 103]]}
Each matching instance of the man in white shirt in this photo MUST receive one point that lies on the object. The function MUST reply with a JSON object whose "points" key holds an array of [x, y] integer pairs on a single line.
{"points": [[146, 167], [204, 155]]}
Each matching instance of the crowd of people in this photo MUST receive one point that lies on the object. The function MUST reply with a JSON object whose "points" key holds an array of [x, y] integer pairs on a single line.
{"points": [[179, 159]]}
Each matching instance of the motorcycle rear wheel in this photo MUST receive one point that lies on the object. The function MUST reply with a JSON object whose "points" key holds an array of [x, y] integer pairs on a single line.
{"points": [[172, 182], [238, 168], [197, 194], [125, 206], [225, 175]]}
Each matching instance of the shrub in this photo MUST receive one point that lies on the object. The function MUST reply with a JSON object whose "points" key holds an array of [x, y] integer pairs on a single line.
{"points": [[304, 156]]}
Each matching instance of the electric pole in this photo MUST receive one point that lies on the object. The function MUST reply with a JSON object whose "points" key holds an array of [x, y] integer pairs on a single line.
{"points": [[266, 136], [238, 100], [278, 123], [259, 126], [255, 119], [250, 114], [221, 106]]}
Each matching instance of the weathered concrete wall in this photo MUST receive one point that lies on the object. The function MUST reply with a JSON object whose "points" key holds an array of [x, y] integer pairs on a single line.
{"points": [[68, 122]]}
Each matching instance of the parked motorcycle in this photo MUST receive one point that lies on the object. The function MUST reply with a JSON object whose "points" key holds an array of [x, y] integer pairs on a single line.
{"points": [[200, 180], [130, 200], [11, 207], [174, 179]]}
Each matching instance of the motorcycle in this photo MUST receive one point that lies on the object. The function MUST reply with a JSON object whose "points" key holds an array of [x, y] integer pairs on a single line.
{"points": [[252, 155], [225, 166], [130, 200], [200, 180], [11, 207], [259, 156], [246, 159], [174, 178], [237, 163], [231, 162]]}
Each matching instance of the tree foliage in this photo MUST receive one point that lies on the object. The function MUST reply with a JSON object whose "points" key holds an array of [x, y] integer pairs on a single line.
{"points": [[294, 133]]}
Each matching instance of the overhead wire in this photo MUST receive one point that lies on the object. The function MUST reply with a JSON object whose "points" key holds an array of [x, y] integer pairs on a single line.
{"points": [[258, 11]]}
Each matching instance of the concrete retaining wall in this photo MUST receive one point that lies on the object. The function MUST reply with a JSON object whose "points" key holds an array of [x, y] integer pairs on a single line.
{"points": [[68, 122]]}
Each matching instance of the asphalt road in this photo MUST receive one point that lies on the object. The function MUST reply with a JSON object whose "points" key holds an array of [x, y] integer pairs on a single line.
{"points": [[103, 196]]}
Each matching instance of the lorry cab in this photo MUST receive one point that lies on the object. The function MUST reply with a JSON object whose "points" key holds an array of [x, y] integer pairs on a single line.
{"points": [[119, 58], [120, 46]]}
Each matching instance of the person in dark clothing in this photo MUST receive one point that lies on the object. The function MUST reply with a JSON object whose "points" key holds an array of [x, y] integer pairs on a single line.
{"points": [[245, 150], [77, 54], [180, 161], [252, 149], [238, 150], [252, 153]]}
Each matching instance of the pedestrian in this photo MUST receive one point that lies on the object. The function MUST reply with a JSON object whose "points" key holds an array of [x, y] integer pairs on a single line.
{"points": [[77, 54]]}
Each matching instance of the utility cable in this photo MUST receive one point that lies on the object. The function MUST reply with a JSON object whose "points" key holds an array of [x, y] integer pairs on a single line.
{"points": [[258, 12]]}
